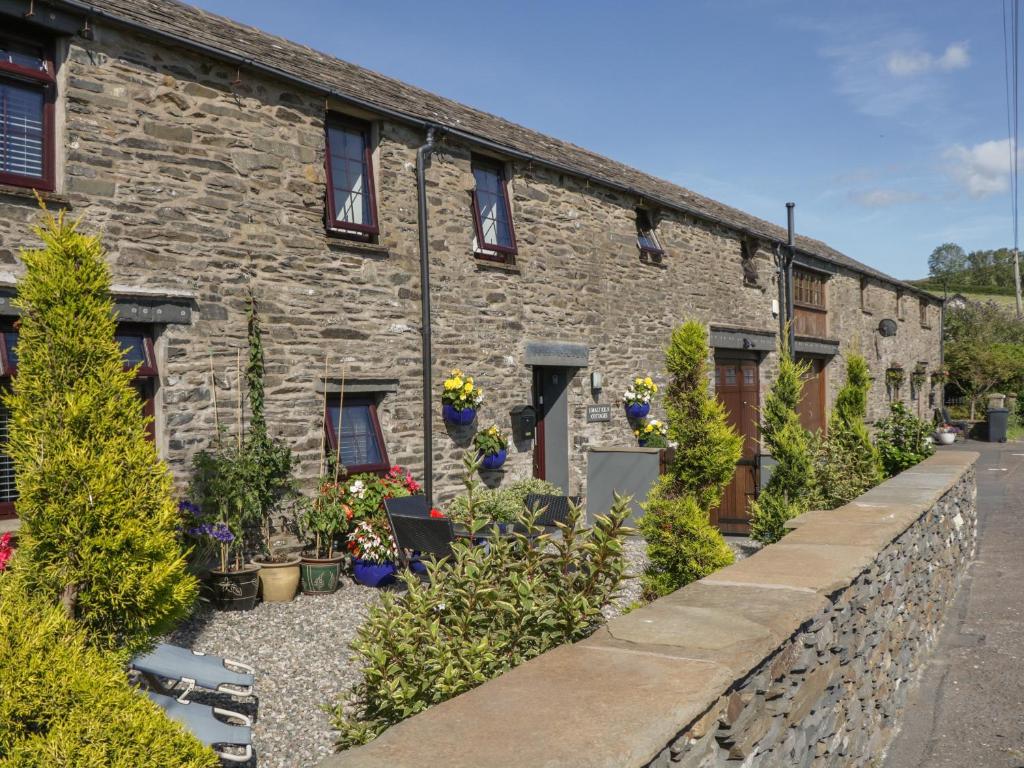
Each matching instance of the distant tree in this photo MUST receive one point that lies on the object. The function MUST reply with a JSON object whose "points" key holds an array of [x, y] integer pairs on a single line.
{"points": [[946, 260]]}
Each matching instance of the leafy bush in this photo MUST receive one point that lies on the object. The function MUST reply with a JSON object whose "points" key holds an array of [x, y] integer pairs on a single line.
{"points": [[789, 490], [98, 519], [682, 545], [902, 439], [847, 462], [501, 505], [680, 539], [64, 704], [483, 612]]}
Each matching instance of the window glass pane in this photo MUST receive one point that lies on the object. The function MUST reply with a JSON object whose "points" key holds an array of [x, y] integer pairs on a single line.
{"points": [[8, 491], [134, 348], [493, 209], [359, 444], [21, 129], [647, 241], [348, 176], [730, 375], [22, 54], [11, 342]]}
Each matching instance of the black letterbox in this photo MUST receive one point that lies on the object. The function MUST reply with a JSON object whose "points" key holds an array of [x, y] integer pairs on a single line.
{"points": [[524, 422]]}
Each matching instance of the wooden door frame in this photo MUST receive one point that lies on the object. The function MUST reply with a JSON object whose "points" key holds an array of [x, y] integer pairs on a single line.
{"points": [[539, 459], [726, 356]]}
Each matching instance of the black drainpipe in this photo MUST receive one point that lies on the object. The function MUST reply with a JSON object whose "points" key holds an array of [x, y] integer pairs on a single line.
{"points": [[791, 243], [428, 410]]}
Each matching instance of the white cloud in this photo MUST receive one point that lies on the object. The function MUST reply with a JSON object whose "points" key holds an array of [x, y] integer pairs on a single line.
{"points": [[911, 63], [982, 169], [884, 198]]}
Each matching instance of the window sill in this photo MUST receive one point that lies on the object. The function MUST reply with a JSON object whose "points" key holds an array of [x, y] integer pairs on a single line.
{"points": [[482, 262], [10, 190], [925, 327], [339, 239]]}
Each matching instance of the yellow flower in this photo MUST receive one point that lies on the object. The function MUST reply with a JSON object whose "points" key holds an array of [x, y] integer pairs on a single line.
{"points": [[639, 380], [449, 384], [636, 432], [469, 379], [468, 389], [649, 428], [456, 373], [456, 383], [648, 382], [654, 387]]}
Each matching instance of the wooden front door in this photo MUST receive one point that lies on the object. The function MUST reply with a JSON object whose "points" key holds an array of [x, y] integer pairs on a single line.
{"points": [[736, 383], [812, 402]]}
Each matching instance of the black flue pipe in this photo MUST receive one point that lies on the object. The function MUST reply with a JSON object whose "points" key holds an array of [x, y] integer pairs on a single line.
{"points": [[791, 247], [428, 410]]}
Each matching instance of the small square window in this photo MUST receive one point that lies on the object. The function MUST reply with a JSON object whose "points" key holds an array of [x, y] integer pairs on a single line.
{"points": [[362, 442], [352, 207], [492, 214], [646, 239]]}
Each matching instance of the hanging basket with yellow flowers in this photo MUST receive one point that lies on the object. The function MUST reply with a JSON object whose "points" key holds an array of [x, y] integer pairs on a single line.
{"points": [[460, 399]]}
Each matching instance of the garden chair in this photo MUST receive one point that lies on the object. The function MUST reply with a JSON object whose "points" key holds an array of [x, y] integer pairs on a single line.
{"points": [[205, 723], [552, 509], [420, 535], [408, 506]]}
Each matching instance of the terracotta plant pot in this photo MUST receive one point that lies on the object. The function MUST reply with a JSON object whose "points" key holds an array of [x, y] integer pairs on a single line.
{"points": [[279, 581], [234, 590], [321, 575]]}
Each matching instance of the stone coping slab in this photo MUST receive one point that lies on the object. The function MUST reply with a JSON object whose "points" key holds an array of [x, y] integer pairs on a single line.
{"points": [[619, 697]]}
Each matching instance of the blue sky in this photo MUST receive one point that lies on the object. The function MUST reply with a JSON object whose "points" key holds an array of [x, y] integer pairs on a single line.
{"points": [[884, 121]]}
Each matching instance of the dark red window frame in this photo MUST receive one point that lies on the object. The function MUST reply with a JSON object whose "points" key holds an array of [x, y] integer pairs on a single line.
{"points": [[145, 381], [645, 230], [332, 436], [47, 83], [363, 231], [494, 252]]}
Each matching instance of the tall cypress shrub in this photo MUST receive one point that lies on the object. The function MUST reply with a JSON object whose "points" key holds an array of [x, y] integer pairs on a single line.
{"points": [[848, 462], [682, 545], [791, 486], [98, 518]]}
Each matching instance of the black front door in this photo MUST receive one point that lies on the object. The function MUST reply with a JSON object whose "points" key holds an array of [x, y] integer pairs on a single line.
{"points": [[551, 451]]}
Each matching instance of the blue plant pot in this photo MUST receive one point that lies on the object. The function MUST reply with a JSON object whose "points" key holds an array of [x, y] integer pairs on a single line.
{"points": [[642, 442], [373, 574], [454, 416], [638, 410], [494, 460]]}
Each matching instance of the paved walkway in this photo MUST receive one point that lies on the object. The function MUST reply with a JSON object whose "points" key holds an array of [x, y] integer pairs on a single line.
{"points": [[967, 711]]}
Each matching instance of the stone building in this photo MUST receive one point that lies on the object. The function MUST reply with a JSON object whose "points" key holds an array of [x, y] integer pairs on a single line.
{"points": [[218, 160]]}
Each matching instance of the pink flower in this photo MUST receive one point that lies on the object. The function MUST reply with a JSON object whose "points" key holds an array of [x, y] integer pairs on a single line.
{"points": [[434, 512], [6, 550]]}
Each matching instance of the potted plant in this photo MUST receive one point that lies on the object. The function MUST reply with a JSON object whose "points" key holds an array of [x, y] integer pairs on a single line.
{"points": [[945, 434], [325, 519], [638, 397], [917, 378], [492, 446], [653, 433], [460, 399], [373, 552], [894, 378]]}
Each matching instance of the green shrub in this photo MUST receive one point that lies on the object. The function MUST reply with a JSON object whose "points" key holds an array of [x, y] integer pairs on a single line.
{"points": [[707, 446], [847, 461], [681, 542], [483, 612], [902, 439], [98, 518], [65, 704], [789, 491], [501, 505], [682, 545]]}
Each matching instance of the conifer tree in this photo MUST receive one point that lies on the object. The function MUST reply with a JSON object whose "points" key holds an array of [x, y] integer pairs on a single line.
{"points": [[791, 486], [98, 518], [682, 545]]}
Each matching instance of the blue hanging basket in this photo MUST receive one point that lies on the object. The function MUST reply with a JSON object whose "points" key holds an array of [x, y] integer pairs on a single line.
{"points": [[638, 410], [494, 460], [453, 415]]}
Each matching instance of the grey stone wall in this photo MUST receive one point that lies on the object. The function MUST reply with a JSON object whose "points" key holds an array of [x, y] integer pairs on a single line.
{"points": [[211, 181], [800, 655]]}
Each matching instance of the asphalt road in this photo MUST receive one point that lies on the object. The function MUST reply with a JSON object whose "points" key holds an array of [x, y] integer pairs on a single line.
{"points": [[967, 710]]}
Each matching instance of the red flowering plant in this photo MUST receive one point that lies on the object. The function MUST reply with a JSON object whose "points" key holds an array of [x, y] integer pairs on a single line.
{"points": [[326, 518], [6, 550], [365, 493]]}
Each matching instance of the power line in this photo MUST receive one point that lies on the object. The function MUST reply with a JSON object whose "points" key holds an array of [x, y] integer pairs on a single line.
{"points": [[1011, 45]]}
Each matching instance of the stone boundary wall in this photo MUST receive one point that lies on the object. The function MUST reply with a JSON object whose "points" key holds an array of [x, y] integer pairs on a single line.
{"points": [[800, 655]]}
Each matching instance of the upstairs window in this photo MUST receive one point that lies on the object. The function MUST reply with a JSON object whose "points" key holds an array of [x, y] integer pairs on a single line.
{"points": [[922, 308], [27, 86], [362, 442], [492, 215], [350, 196], [646, 239], [809, 289], [864, 299]]}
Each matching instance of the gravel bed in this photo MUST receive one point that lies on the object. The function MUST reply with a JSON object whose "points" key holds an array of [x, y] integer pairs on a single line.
{"points": [[300, 652]]}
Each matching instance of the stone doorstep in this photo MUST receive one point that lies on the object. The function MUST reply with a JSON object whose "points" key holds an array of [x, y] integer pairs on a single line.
{"points": [[821, 568], [737, 627], [575, 705]]}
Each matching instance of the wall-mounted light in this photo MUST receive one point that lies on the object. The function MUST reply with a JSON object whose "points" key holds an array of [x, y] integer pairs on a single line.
{"points": [[596, 381]]}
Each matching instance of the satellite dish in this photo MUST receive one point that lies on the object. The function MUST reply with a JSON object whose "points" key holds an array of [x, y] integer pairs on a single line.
{"points": [[887, 327]]}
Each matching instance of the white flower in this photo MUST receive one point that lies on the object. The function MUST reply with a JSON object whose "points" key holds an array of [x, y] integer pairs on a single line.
{"points": [[357, 489], [440, 607]]}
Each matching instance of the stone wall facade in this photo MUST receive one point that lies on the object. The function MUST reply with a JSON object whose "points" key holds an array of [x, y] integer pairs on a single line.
{"points": [[800, 655], [208, 182]]}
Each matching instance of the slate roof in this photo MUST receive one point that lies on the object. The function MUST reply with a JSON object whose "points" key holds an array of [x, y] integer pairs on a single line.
{"points": [[221, 36]]}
